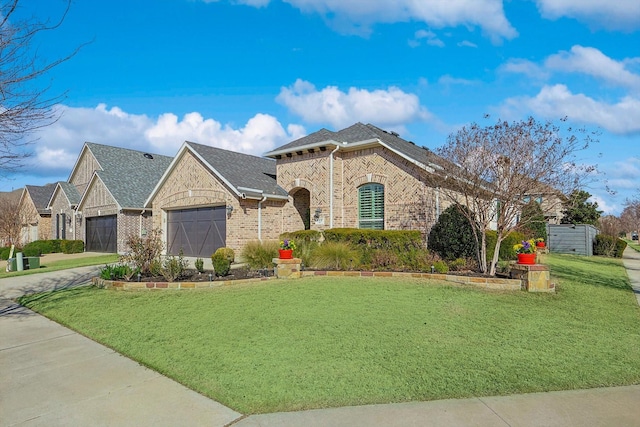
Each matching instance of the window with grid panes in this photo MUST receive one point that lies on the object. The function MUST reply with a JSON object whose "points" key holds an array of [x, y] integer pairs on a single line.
{"points": [[371, 206]]}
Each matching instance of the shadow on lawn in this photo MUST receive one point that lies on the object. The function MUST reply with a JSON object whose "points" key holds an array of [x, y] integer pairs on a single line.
{"points": [[592, 271], [15, 291]]}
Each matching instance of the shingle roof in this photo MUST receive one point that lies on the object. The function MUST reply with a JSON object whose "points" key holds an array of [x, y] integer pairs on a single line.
{"points": [[40, 196], [242, 170], [129, 175], [71, 192], [360, 132]]}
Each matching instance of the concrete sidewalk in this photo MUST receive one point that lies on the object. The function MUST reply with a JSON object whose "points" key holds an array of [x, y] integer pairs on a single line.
{"points": [[50, 375], [631, 261]]}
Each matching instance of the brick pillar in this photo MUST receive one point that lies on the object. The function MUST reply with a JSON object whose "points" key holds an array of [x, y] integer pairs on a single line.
{"points": [[288, 268], [535, 278]]}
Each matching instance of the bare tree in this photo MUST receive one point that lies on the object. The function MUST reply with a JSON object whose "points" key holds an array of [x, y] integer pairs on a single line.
{"points": [[630, 216], [495, 170], [11, 219], [610, 225], [25, 106]]}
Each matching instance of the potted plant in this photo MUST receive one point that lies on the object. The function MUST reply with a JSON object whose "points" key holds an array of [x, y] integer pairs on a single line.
{"points": [[526, 251], [286, 248], [540, 242]]}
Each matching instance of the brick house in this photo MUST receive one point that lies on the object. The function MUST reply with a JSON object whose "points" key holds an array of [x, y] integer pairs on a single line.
{"points": [[103, 200], [34, 213], [63, 204], [358, 177], [209, 198]]}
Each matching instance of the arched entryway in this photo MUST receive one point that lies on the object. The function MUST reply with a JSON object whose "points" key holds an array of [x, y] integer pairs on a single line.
{"points": [[302, 204]]}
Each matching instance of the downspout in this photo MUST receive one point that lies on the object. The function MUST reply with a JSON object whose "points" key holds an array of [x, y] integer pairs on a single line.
{"points": [[260, 217], [141, 215], [331, 185]]}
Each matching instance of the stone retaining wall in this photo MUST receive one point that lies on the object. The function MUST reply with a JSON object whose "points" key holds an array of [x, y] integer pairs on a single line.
{"points": [[481, 282]]}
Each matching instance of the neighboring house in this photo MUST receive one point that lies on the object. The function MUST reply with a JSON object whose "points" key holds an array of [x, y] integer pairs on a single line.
{"points": [[63, 204], [113, 184], [34, 214], [358, 177], [210, 198]]}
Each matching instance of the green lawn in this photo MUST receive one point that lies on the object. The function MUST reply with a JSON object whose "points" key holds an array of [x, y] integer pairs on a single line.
{"points": [[322, 342], [61, 265], [634, 244]]}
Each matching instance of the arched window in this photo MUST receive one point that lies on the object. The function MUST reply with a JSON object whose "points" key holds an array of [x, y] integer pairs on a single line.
{"points": [[371, 206]]}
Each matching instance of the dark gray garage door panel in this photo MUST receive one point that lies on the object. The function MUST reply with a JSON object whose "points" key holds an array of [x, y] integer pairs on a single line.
{"points": [[102, 234], [198, 232]]}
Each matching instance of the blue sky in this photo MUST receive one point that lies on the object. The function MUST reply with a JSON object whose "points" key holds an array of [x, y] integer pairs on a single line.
{"points": [[249, 75]]}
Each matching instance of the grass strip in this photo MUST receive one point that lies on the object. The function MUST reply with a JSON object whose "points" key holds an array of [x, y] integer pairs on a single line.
{"points": [[324, 342], [61, 265]]}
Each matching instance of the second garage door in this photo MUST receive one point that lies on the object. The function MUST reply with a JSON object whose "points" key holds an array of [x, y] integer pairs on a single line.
{"points": [[198, 232], [102, 234]]}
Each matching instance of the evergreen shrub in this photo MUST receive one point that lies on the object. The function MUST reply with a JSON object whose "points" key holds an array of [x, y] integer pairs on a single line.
{"points": [[507, 253], [452, 236]]}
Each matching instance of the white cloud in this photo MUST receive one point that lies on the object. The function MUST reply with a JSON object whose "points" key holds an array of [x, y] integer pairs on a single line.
{"points": [[619, 14], [359, 15], [557, 101], [429, 36], [391, 107], [59, 144], [591, 61], [448, 80], [526, 67], [467, 43]]}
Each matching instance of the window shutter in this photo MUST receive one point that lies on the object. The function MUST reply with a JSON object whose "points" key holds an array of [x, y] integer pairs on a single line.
{"points": [[371, 206]]}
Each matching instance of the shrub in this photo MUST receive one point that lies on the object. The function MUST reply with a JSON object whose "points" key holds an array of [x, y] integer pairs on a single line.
{"points": [[440, 267], [117, 272], [302, 236], [304, 250], [221, 265], [335, 255], [227, 253], [609, 246], [4, 252], [259, 255], [143, 251], [507, 253], [394, 240], [174, 267], [452, 236], [621, 245], [38, 248], [56, 246], [199, 264], [458, 264], [71, 246], [382, 259], [532, 217]]}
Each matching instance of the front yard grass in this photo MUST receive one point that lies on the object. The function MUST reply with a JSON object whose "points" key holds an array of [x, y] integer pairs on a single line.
{"points": [[61, 265], [323, 342]]}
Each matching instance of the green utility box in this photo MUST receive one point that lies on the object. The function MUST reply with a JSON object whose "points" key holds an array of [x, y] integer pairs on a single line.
{"points": [[31, 263], [12, 264]]}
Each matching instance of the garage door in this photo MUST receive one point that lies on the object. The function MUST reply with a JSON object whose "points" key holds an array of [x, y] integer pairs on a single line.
{"points": [[102, 234], [198, 232]]}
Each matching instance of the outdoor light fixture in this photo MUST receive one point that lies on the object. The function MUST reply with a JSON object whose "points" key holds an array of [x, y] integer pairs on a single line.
{"points": [[229, 210], [316, 216]]}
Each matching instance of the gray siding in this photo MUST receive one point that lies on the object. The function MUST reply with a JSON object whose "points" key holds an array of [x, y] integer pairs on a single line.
{"points": [[571, 239]]}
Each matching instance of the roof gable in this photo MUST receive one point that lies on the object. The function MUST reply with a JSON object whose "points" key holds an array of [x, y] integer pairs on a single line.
{"points": [[40, 196], [66, 190], [129, 175], [360, 134], [245, 175]]}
